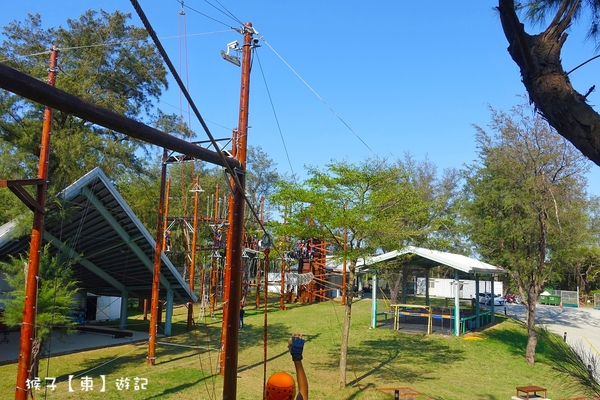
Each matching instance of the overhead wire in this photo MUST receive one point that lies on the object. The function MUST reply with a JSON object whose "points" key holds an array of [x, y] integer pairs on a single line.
{"points": [[204, 15], [275, 114], [192, 104], [320, 98]]}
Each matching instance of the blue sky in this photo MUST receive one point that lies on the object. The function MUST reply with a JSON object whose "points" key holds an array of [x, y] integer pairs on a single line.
{"points": [[404, 76]]}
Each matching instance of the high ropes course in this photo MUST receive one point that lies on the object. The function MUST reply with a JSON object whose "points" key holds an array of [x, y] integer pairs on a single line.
{"points": [[235, 268]]}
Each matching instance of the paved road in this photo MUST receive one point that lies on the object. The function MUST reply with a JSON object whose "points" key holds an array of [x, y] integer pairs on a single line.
{"points": [[582, 326]]}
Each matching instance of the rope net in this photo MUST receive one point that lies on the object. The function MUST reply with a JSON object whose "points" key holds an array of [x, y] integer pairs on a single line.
{"points": [[292, 278]]}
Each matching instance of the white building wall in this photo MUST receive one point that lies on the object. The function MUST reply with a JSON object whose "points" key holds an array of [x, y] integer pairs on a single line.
{"points": [[439, 287]]}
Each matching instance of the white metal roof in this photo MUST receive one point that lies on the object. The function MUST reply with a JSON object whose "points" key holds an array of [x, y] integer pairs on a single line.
{"points": [[427, 258]]}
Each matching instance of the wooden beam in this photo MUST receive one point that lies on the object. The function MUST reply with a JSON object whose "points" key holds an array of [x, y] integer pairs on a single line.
{"points": [[38, 91]]}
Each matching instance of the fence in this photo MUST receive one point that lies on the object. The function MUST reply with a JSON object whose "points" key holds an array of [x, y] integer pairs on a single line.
{"points": [[569, 299], [597, 301]]}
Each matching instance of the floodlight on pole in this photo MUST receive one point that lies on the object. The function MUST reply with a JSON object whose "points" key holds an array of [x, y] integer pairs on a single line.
{"points": [[234, 59]]}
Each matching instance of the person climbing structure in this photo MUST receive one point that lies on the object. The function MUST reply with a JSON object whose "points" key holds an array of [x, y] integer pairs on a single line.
{"points": [[168, 240]]}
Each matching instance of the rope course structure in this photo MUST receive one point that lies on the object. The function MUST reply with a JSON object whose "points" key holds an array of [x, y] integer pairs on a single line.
{"points": [[299, 276]]}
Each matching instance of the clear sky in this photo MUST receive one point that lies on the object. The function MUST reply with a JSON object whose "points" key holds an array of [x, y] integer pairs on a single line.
{"points": [[405, 76]]}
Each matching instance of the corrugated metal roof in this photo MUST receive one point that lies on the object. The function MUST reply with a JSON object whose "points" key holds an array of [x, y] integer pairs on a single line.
{"points": [[116, 250], [426, 258]]}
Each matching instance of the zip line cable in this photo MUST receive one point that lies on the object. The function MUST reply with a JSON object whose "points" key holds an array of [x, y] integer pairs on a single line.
{"points": [[228, 12], [320, 98], [63, 49], [275, 114]]}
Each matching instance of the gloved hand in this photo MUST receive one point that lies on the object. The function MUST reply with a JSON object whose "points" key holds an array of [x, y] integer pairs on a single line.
{"points": [[296, 345]]}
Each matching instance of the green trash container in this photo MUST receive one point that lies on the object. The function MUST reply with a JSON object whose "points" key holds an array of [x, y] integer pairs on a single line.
{"points": [[554, 300], [544, 299]]}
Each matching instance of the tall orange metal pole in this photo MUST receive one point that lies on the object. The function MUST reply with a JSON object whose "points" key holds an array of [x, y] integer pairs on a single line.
{"points": [[214, 273], [344, 291], [167, 195], [234, 253], [282, 295], [193, 260], [227, 272], [160, 234], [28, 330]]}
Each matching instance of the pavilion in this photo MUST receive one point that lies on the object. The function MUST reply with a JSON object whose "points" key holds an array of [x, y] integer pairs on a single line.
{"points": [[113, 251], [426, 259]]}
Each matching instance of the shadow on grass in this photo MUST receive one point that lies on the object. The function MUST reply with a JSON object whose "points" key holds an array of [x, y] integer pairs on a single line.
{"points": [[370, 386], [176, 389], [405, 356], [514, 337]]}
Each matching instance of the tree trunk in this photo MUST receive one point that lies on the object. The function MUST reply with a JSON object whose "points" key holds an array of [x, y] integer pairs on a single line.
{"points": [[532, 337], [346, 329], [396, 288], [36, 350], [548, 85]]}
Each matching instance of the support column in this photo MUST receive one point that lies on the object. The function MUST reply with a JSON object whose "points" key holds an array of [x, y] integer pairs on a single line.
{"points": [[427, 286], [374, 299], [28, 331], [477, 309], [124, 303], [493, 298], [456, 304], [160, 237], [169, 312], [234, 254], [403, 285]]}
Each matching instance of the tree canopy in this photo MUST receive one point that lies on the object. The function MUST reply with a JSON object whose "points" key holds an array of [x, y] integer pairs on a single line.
{"points": [[103, 60], [526, 202]]}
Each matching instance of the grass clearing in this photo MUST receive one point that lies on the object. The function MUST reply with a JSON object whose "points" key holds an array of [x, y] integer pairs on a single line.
{"points": [[483, 365]]}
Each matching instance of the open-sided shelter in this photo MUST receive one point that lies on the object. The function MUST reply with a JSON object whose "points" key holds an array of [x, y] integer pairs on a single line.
{"points": [[464, 268], [114, 252]]}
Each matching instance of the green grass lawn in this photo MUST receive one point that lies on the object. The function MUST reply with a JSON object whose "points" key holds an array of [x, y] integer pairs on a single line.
{"points": [[485, 365]]}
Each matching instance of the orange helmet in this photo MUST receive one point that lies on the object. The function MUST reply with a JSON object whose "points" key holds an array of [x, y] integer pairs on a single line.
{"points": [[280, 386]]}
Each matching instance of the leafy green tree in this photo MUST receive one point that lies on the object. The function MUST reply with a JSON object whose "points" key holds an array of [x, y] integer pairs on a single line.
{"points": [[102, 60], [525, 202], [429, 222], [363, 200], [56, 297], [539, 59], [261, 178]]}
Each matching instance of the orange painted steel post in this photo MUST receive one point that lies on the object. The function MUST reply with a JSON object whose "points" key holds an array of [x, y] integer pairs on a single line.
{"points": [[282, 295], [166, 219], [193, 261], [344, 271], [227, 272], [214, 273], [235, 252], [28, 330], [160, 234]]}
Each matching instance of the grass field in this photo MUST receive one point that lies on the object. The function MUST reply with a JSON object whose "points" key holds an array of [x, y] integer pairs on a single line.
{"points": [[484, 365]]}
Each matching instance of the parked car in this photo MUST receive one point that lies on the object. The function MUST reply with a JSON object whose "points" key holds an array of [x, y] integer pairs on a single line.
{"points": [[486, 297]]}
